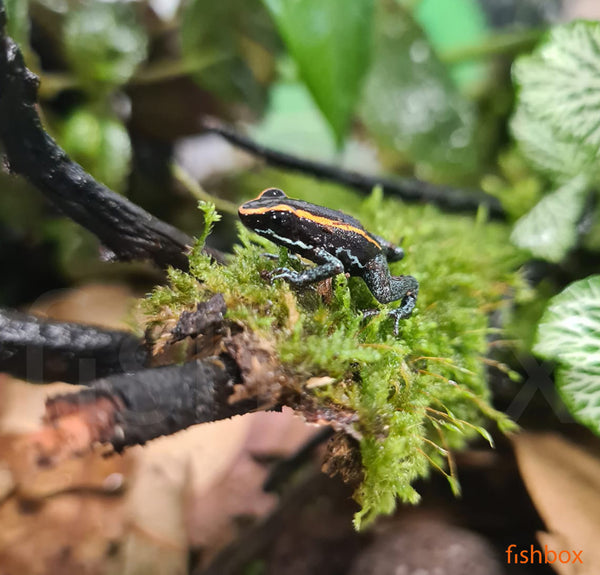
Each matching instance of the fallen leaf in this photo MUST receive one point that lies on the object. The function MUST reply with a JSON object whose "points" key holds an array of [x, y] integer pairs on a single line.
{"points": [[563, 481], [105, 305]]}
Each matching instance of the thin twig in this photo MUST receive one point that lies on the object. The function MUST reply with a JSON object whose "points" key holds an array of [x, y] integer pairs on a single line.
{"points": [[128, 231], [408, 189], [53, 83], [38, 350]]}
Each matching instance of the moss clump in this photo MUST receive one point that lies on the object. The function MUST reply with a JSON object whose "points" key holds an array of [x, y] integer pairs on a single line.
{"points": [[416, 395]]}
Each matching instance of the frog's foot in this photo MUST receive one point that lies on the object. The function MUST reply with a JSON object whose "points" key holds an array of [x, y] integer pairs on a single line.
{"points": [[403, 311]]}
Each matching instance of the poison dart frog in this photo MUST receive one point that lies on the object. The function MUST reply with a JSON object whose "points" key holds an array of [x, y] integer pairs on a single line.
{"points": [[334, 241]]}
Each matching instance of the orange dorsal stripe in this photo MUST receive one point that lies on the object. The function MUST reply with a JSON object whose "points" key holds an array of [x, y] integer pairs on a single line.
{"points": [[311, 217]]}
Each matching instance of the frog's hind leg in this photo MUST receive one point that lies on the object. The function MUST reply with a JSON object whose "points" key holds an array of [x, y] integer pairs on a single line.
{"points": [[384, 286], [388, 288], [330, 267]]}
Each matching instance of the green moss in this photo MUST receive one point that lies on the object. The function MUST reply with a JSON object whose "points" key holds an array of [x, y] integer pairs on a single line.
{"points": [[417, 395]]}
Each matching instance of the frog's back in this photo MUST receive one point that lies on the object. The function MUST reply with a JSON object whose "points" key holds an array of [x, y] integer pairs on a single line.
{"points": [[304, 228]]}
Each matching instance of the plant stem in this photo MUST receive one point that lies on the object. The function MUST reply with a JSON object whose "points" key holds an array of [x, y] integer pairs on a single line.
{"points": [[54, 83], [495, 45], [196, 190]]}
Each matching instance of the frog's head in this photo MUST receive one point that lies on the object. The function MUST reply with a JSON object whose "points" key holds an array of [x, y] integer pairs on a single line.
{"points": [[266, 199], [261, 209]]}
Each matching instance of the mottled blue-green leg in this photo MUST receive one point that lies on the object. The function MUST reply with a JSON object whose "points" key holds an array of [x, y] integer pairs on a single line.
{"points": [[388, 288], [271, 256], [330, 268], [393, 253]]}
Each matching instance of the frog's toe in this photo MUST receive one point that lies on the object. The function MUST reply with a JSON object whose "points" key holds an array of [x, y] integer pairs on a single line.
{"points": [[404, 311]]}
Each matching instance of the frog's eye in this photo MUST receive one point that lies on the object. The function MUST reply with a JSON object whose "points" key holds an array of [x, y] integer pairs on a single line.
{"points": [[272, 193]]}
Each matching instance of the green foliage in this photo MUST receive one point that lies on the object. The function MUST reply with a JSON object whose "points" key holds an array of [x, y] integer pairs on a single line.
{"points": [[100, 143], [557, 85], [103, 43], [240, 35], [451, 25], [557, 126], [410, 104], [417, 395], [211, 217], [550, 228], [292, 110], [569, 333], [17, 13], [330, 41]]}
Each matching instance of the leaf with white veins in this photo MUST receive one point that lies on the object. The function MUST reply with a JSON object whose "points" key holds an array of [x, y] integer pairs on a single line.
{"points": [[549, 230], [569, 333]]}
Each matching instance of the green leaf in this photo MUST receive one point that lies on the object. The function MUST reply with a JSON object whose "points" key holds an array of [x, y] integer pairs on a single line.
{"points": [[559, 158], [100, 144], [557, 120], [330, 42], [17, 12], [549, 230], [240, 36], [569, 333], [409, 103], [104, 43], [452, 25]]}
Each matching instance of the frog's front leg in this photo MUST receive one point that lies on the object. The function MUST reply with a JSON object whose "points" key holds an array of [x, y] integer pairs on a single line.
{"points": [[331, 267], [388, 288]]}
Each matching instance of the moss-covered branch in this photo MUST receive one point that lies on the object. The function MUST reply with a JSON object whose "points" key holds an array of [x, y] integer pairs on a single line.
{"points": [[407, 400]]}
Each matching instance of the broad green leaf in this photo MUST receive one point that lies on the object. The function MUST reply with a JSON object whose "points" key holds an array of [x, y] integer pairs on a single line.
{"points": [[557, 120], [240, 36], [17, 12], [100, 144], [330, 41], [549, 230], [410, 103], [559, 158], [452, 25], [104, 43], [569, 333]]}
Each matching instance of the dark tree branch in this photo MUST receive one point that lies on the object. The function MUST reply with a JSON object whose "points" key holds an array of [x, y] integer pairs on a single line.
{"points": [[131, 409], [127, 230], [39, 350], [408, 189]]}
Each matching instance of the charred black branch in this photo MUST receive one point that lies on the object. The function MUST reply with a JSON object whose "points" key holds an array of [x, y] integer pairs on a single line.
{"points": [[39, 350], [153, 402], [407, 189], [128, 231], [207, 317]]}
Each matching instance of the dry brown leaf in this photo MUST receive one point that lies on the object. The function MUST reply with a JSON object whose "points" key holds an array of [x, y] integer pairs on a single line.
{"points": [[69, 533], [22, 404], [557, 541], [236, 499], [564, 483], [137, 513], [105, 305]]}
